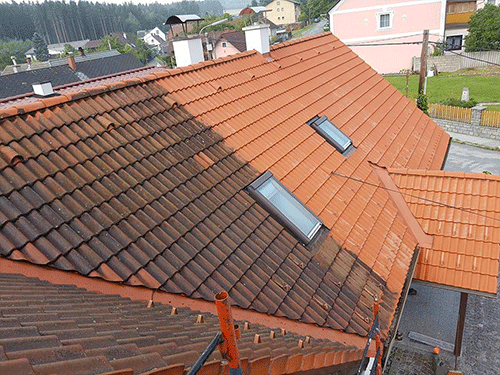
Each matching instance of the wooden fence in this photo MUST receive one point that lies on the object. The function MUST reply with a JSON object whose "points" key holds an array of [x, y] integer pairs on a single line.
{"points": [[445, 112], [490, 118], [450, 113]]}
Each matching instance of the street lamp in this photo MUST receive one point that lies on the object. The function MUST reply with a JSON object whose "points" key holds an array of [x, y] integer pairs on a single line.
{"points": [[213, 24], [206, 34]]}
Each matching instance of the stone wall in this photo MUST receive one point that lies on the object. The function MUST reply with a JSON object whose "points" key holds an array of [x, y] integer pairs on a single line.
{"points": [[452, 62], [445, 63], [469, 129]]}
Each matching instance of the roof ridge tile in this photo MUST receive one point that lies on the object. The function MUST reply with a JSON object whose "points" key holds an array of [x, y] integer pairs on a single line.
{"points": [[442, 173], [8, 112], [298, 40], [54, 100]]}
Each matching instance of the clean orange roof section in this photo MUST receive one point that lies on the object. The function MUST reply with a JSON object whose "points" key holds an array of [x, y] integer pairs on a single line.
{"points": [[462, 212], [424, 240]]}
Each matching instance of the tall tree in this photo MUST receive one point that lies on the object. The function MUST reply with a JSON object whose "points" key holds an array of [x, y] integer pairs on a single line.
{"points": [[111, 42], [15, 48], [65, 21], [142, 51], [41, 50], [484, 29], [132, 23]]}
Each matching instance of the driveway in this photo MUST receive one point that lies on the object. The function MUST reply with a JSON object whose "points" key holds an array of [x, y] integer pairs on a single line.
{"points": [[316, 29]]}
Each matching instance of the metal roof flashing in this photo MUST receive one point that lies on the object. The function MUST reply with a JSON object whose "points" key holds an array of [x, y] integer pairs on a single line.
{"points": [[423, 239]]}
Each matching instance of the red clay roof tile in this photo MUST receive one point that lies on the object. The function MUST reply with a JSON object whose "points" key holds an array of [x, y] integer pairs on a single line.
{"points": [[124, 157], [456, 219]]}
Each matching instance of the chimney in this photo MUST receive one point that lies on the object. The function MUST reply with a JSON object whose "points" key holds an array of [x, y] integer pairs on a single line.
{"points": [[43, 89], [72, 63], [188, 51], [257, 37], [13, 58], [28, 61]]}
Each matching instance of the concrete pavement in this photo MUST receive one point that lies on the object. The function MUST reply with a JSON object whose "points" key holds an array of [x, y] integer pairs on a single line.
{"points": [[475, 141], [316, 29], [473, 154]]}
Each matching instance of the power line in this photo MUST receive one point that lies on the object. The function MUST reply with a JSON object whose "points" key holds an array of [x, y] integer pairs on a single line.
{"points": [[414, 196], [393, 38], [382, 44], [420, 42], [396, 37]]}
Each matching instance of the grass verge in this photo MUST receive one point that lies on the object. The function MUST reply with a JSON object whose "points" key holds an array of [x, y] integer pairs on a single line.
{"points": [[298, 33], [481, 87], [493, 107]]}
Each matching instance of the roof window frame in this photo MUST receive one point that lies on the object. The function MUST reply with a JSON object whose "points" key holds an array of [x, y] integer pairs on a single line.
{"points": [[280, 216], [316, 123]]}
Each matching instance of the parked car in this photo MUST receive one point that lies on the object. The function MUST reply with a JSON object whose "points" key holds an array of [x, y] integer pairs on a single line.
{"points": [[326, 27], [316, 20]]}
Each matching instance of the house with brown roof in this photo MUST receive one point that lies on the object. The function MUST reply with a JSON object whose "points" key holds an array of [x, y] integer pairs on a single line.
{"points": [[229, 43], [282, 177]]}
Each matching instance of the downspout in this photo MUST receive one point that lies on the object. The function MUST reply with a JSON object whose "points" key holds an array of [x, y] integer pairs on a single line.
{"points": [[446, 155], [402, 303]]}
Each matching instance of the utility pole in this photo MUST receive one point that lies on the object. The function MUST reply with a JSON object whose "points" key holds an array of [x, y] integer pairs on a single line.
{"points": [[407, 79], [423, 62]]}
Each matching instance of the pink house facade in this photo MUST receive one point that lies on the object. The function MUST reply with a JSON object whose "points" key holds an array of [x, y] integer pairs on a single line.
{"points": [[224, 48], [384, 22]]}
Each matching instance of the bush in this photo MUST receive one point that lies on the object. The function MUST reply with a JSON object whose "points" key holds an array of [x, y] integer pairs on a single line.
{"points": [[423, 104], [459, 103], [439, 49]]}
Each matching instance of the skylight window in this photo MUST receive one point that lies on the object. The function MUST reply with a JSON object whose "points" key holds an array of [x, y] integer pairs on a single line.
{"points": [[285, 207], [331, 133]]}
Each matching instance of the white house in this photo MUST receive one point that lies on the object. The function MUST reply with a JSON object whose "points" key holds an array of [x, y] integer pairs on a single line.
{"points": [[155, 38]]}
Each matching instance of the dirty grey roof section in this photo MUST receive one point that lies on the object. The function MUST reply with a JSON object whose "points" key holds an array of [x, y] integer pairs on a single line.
{"points": [[20, 83]]}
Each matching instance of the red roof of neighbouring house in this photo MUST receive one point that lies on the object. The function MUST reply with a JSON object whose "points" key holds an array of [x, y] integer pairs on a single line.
{"points": [[60, 329], [143, 183], [466, 247]]}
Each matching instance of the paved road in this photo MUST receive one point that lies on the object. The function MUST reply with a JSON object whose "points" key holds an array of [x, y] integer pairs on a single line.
{"points": [[433, 311], [472, 159], [316, 29]]}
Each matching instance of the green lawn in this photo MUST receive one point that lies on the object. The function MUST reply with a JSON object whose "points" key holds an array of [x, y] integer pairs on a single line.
{"points": [[495, 107], [443, 86], [298, 33]]}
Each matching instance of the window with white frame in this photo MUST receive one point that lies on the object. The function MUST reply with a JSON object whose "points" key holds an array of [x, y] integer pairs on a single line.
{"points": [[384, 20], [285, 207]]}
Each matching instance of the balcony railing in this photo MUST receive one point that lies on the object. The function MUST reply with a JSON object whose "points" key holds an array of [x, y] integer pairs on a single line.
{"points": [[458, 18]]}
